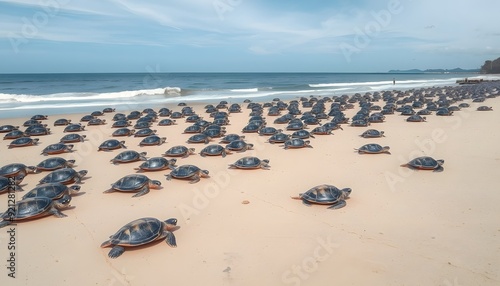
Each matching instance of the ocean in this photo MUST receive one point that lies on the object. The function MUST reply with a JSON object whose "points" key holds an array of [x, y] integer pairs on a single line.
{"points": [[23, 95]]}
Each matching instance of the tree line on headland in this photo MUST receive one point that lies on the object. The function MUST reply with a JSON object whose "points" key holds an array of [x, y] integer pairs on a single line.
{"points": [[491, 67]]}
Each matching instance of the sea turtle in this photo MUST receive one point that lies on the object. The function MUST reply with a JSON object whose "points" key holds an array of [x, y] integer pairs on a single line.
{"points": [[96, 121], [214, 132], [30, 122], [11, 184], [239, 146], [23, 141], [37, 130], [372, 133], [57, 148], [64, 176], [39, 117], [152, 140], [188, 172], [464, 105], [108, 110], [72, 138], [14, 134], [292, 126], [250, 162], [87, 118], [123, 132], [134, 115], [55, 163], [121, 123], [321, 130], [139, 232], [425, 163], [443, 111], [136, 183], [144, 132], [142, 125], [296, 143], [157, 164], [166, 122], [62, 122], [199, 138], [53, 191], [73, 127], [278, 138], [129, 156], [302, 134], [325, 195], [360, 123], [179, 151], [119, 116], [373, 149], [15, 169], [193, 129], [97, 113], [8, 128], [268, 131], [111, 144], [251, 128], [416, 118], [484, 108], [231, 137], [34, 208], [214, 150]]}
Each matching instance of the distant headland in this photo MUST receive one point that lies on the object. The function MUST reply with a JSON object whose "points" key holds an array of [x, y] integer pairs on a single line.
{"points": [[455, 70]]}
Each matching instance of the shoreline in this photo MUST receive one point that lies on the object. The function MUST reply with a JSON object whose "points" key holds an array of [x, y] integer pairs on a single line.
{"points": [[400, 227]]}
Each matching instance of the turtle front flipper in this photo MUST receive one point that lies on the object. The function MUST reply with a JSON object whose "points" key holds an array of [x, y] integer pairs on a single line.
{"points": [[5, 223], [56, 213], [142, 192], [109, 191], [116, 251], [439, 169], [195, 179], [305, 202], [338, 205], [170, 239]]}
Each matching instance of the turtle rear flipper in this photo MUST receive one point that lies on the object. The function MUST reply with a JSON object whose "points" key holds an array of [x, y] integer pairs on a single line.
{"points": [[195, 179], [305, 202], [170, 239], [142, 192], [116, 251], [5, 223], [168, 177], [439, 169], [338, 205], [57, 213], [109, 191]]}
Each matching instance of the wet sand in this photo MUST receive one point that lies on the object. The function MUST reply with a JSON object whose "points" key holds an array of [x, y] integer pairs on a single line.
{"points": [[400, 226]]}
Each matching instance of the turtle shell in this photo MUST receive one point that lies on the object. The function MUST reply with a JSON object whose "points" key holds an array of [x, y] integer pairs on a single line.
{"points": [[425, 163], [111, 144], [131, 183], [268, 131], [72, 138], [302, 134], [62, 122], [138, 232], [142, 125], [157, 164], [296, 143], [14, 134], [39, 117], [152, 140], [23, 141], [166, 122], [144, 132], [14, 169], [249, 162], [251, 128], [373, 149], [214, 133], [119, 116], [184, 171], [30, 208], [199, 138], [52, 191], [178, 151], [54, 163], [320, 130], [8, 128], [372, 133], [279, 138], [97, 121], [325, 194], [128, 156], [122, 132], [121, 123], [57, 148], [5, 183], [231, 137], [213, 150], [415, 118], [238, 145], [65, 176], [74, 128]]}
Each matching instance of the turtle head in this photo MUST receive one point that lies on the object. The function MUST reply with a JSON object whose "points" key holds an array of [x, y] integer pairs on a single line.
{"points": [[155, 184], [70, 163], [205, 173], [32, 170], [171, 224], [70, 146], [74, 189], [346, 192], [63, 202]]}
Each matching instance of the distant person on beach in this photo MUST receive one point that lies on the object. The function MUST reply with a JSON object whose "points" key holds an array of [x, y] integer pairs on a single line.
{"points": [[393, 81]]}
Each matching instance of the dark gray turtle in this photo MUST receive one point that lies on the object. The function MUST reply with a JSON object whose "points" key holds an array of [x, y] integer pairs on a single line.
{"points": [[54, 163], [268, 131], [425, 163], [37, 131], [464, 105], [15, 169], [296, 143], [53, 191], [188, 172], [179, 151], [484, 108], [57, 148], [129, 156], [250, 162], [443, 111], [39, 117], [34, 208], [14, 134], [121, 123], [231, 137], [251, 128], [239, 146], [123, 132], [96, 121], [87, 118], [321, 130], [166, 122], [8, 128], [97, 113], [108, 110], [214, 150], [278, 138], [295, 126], [325, 195], [136, 183], [142, 125], [214, 132], [140, 232], [193, 129], [157, 164], [64, 176], [23, 141], [302, 134], [72, 138], [152, 140], [360, 123], [119, 116], [74, 128], [145, 132], [111, 144], [62, 122], [199, 138], [373, 149], [372, 133], [11, 184], [416, 118]]}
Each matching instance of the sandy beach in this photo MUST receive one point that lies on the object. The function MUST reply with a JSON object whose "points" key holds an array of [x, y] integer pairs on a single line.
{"points": [[400, 226]]}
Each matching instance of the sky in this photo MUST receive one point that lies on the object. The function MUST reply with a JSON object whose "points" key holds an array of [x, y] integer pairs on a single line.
{"points": [[45, 36]]}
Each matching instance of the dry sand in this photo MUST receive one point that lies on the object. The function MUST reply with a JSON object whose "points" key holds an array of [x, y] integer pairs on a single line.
{"points": [[400, 227]]}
